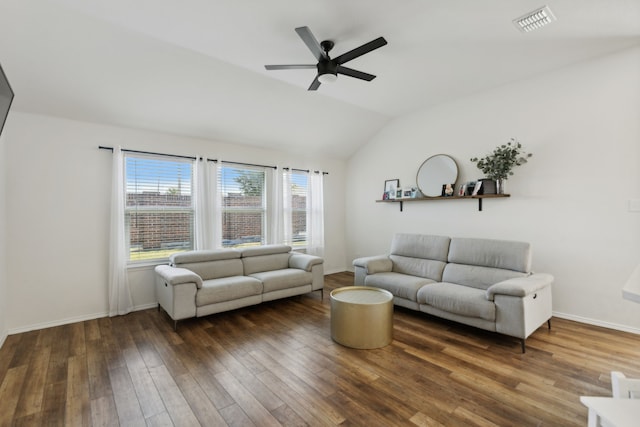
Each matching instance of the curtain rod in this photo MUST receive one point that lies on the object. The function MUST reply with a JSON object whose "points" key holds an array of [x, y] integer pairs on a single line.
{"points": [[305, 170], [149, 152], [101, 147], [248, 164]]}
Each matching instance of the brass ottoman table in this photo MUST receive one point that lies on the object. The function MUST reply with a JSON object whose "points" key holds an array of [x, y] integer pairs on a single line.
{"points": [[361, 317]]}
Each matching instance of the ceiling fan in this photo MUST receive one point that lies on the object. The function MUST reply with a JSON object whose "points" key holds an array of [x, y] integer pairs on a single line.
{"points": [[328, 68]]}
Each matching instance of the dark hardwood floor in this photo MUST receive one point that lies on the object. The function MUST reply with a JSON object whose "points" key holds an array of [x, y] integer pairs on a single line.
{"points": [[275, 364]]}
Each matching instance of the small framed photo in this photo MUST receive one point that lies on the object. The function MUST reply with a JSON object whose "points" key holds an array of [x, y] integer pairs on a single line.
{"points": [[447, 190], [407, 193], [391, 187], [476, 188]]}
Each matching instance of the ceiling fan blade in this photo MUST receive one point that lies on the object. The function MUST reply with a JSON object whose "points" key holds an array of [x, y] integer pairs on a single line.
{"points": [[308, 38], [290, 67], [359, 51], [315, 84], [355, 73]]}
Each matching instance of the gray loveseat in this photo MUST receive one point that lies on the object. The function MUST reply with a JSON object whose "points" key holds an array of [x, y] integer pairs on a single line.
{"points": [[479, 282], [199, 283]]}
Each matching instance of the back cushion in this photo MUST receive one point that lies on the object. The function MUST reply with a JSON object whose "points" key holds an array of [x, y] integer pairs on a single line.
{"points": [[258, 264], [209, 264], [480, 263], [426, 268], [504, 254], [215, 269], [421, 246], [476, 276]]}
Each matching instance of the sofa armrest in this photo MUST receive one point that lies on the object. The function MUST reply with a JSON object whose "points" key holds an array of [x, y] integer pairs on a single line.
{"points": [[178, 276], [520, 286], [374, 264], [304, 261]]}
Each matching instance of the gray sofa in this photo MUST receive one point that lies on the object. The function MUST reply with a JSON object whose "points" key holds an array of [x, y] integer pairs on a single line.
{"points": [[199, 283], [479, 282]]}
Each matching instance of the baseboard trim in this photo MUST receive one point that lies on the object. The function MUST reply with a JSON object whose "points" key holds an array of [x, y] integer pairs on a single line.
{"points": [[595, 322], [69, 320]]}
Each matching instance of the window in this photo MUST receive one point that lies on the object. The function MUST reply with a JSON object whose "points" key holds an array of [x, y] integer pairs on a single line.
{"points": [[243, 194], [159, 212], [299, 185]]}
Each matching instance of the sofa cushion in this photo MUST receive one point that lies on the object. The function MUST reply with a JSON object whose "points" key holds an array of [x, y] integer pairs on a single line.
{"points": [[457, 299], [215, 269], [203, 255], [264, 250], [503, 254], [260, 263], [421, 246], [227, 289], [426, 268], [400, 285], [283, 279], [477, 277]]}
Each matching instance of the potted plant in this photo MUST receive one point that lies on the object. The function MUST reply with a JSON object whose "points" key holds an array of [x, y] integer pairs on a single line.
{"points": [[499, 165]]}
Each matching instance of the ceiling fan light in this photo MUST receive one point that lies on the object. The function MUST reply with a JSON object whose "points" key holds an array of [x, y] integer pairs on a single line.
{"points": [[327, 78]]}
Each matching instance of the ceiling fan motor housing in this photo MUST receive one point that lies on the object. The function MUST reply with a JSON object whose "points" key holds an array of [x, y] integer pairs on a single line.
{"points": [[327, 67]]}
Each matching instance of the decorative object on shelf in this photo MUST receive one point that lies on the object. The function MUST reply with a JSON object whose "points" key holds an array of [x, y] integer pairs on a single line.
{"points": [[469, 186], [447, 190], [488, 186], [435, 171], [407, 193], [499, 165], [390, 188], [476, 188]]}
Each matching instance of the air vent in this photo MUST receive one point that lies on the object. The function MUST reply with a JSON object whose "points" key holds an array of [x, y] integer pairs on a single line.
{"points": [[534, 20]]}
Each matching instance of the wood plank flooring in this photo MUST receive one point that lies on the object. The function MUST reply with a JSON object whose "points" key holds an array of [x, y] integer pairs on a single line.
{"points": [[275, 365]]}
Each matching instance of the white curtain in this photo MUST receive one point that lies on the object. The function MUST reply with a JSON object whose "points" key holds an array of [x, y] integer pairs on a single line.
{"points": [[120, 301], [287, 208], [275, 221], [315, 214], [216, 204], [206, 194]]}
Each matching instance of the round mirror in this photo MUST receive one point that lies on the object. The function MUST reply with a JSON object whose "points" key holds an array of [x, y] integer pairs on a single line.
{"points": [[435, 172]]}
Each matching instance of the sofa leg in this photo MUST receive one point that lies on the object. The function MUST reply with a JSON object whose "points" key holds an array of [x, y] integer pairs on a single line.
{"points": [[175, 326], [523, 346], [549, 324], [322, 294]]}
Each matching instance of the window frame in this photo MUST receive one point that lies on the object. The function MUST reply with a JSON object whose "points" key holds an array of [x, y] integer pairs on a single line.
{"points": [[159, 254], [263, 210]]}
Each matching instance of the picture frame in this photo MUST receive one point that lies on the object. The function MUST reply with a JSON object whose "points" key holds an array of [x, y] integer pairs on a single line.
{"points": [[391, 187], [407, 193], [476, 188], [447, 190]]}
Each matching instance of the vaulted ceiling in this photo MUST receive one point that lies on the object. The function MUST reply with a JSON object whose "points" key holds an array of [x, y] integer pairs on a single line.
{"points": [[196, 67]]}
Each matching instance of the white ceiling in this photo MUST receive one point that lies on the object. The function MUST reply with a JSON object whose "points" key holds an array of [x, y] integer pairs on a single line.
{"points": [[196, 67]]}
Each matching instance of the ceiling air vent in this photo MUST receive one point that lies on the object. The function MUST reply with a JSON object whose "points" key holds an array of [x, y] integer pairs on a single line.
{"points": [[534, 20]]}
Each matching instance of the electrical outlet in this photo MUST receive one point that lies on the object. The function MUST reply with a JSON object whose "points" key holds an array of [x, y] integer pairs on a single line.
{"points": [[634, 205]]}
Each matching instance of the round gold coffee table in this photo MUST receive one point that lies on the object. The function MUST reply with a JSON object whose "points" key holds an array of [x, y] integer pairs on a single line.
{"points": [[362, 317]]}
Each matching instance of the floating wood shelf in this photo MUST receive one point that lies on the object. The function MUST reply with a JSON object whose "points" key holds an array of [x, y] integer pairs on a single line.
{"points": [[431, 199]]}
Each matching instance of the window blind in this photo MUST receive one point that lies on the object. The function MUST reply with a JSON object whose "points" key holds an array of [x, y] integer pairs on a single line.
{"points": [[159, 211], [244, 203]]}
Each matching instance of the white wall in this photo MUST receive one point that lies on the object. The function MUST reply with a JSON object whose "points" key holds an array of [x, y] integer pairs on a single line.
{"points": [[582, 124], [3, 223], [57, 216]]}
